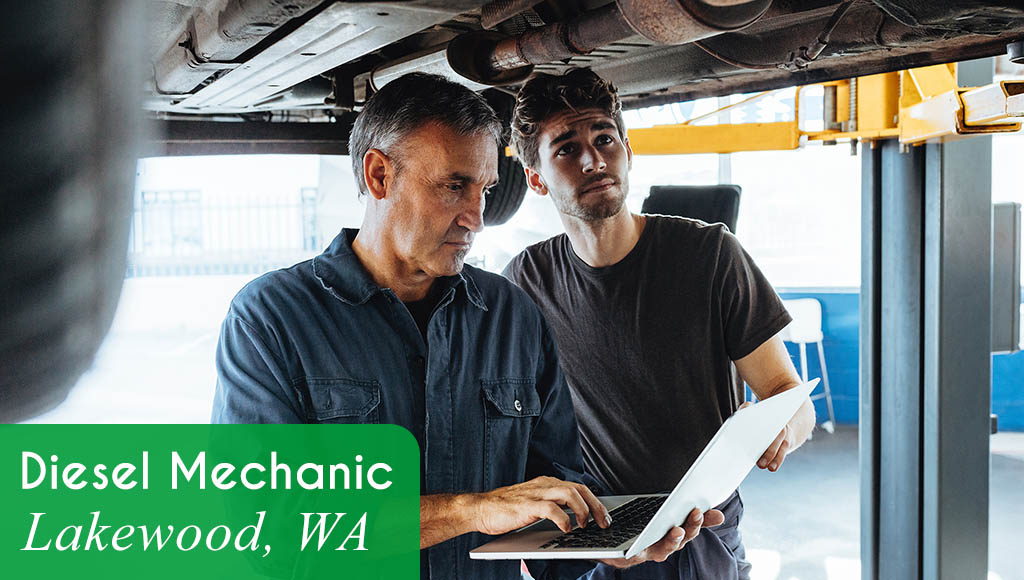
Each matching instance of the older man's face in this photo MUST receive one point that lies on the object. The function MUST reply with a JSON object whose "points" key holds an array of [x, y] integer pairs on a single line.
{"points": [[438, 197]]}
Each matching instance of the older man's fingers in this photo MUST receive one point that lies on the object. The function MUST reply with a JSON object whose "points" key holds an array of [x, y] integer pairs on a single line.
{"points": [[551, 511], [597, 509], [575, 502]]}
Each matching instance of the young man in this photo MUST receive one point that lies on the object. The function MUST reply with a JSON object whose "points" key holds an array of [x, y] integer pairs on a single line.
{"points": [[389, 326], [653, 315]]}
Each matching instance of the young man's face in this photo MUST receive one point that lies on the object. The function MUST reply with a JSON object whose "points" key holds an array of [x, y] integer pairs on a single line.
{"points": [[437, 198], [583, 164]]}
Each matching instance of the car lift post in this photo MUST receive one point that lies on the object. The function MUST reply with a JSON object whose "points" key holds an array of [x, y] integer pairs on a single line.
{"points": [[925, 356]]}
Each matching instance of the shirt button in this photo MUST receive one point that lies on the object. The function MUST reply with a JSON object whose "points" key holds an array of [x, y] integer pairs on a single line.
{"points": [[518, 406]]}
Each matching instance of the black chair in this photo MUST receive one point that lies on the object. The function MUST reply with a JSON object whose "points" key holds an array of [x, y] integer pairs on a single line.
{"points": [[709, 203]]}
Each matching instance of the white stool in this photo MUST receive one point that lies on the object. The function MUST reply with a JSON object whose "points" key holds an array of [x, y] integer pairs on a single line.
{"points": [[806, 328]]}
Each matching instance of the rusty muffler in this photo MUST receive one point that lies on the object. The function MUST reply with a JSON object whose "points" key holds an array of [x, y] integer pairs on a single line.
{"points": [[493, 59]]}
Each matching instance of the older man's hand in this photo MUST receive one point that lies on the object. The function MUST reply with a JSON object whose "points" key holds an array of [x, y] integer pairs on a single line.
{"points": [[444, 516], [674, 540], [509, 508]]}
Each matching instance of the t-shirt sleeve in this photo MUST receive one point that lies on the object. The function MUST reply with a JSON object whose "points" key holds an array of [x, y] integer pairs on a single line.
{"points": [[513, 270], [751, 310]]}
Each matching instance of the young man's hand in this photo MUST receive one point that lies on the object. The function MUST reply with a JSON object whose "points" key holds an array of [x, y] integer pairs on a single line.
{"points": [[776, 453], [674, 540]]}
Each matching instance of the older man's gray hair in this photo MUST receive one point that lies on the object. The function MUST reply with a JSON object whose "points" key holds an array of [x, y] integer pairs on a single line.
{"points": [[404, 105]]}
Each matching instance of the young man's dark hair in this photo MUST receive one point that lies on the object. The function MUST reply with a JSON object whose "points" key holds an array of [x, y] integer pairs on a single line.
{"points": [[544, 95], [407, 103]]}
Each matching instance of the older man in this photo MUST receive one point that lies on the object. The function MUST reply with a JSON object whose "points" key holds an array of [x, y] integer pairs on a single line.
{"points": [[389, 326], [652, 314]]}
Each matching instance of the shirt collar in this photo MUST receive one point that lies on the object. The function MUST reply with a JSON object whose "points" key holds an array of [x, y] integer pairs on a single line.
{"points": [[472, 292], [342, 274]]}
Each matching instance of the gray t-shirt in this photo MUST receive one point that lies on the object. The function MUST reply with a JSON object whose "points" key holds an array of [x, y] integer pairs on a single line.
{"points": [[647, 344]]}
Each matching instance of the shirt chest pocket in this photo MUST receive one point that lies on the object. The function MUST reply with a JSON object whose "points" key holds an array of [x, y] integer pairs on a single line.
{"points": [[510, 408], [344, 400]]}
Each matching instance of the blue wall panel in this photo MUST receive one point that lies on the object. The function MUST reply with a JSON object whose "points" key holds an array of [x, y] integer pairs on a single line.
{"points": [[841, 327], [841, 321], [1008, 390]]}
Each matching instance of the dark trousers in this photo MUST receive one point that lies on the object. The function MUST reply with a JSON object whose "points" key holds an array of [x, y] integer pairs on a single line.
{"points": [[715, 554]]}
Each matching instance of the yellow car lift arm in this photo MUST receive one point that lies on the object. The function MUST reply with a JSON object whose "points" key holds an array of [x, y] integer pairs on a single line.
{"points": [[915, 106]]}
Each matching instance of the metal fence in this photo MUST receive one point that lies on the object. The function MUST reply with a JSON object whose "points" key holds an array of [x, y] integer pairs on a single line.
{"points": [[184, 233]]}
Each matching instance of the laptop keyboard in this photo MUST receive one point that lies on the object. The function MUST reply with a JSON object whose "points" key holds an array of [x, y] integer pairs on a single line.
{"points": [[628, 520]]}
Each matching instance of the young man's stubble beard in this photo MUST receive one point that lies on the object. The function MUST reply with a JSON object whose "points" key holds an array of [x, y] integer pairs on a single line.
{"points": [[607, 207]]}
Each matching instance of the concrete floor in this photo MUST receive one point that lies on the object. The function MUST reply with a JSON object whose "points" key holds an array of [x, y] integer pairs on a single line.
{"points": [[803, 522]]}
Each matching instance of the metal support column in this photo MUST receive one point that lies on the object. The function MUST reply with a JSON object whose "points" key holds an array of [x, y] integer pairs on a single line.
{"points": [[900, 397], [891, 343], [870, 356], [925, 363], [957, 360]]}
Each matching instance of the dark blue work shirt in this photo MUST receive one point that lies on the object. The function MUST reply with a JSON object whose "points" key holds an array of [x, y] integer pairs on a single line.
{"points": [[484, 396]]}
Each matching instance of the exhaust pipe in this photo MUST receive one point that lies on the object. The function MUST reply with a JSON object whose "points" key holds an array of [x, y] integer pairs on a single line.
{"points": [[492, 59]]}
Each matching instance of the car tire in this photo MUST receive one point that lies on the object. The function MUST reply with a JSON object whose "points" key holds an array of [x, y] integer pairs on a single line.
{"points": [[68, 139], [505, 198]]}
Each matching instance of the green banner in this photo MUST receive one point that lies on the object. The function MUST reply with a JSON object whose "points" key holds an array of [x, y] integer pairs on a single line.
{"points": [[208, 501]]}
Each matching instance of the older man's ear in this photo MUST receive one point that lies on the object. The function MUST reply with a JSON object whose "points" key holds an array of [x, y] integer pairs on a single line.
{"points": [[378, 171]]}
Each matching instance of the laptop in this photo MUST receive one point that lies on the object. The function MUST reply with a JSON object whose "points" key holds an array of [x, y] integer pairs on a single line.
{"points": [[641, 520]]}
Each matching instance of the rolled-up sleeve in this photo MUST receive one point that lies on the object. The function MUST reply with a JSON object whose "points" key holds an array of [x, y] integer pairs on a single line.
{"points": [[252, 381]]}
